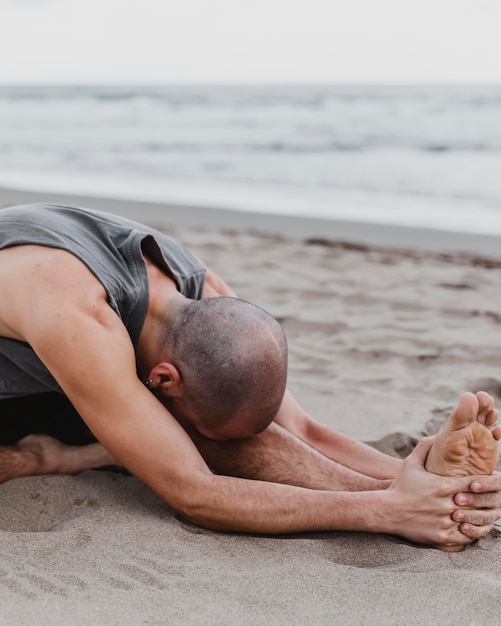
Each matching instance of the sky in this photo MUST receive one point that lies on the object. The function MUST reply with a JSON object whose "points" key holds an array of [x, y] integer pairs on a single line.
{"points": [[249, 41]]}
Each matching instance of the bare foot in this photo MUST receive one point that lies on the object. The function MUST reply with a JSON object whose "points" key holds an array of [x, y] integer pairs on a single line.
{"points": [[54, 457], [467, 443]]}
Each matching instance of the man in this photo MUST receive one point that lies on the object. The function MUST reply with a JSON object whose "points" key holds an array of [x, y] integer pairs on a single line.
{"points": [[158, 357]]}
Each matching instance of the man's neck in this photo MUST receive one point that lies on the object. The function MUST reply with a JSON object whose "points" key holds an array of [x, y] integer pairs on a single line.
{"points": [[164, 299]]}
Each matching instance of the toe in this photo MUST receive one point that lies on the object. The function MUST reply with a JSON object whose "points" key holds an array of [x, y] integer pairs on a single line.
{"points": [[465, 413], [496, 433], [485, 405], [491, 418], [475, 532]]}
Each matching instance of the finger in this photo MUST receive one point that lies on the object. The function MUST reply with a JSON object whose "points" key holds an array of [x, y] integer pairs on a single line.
{"points": [[454, 541], [476, 517], [475, 532], [483, 484], [490, 500], [420, 452]]}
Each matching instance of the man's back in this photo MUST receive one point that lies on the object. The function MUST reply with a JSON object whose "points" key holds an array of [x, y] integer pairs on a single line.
{"points": [[109, 246]]}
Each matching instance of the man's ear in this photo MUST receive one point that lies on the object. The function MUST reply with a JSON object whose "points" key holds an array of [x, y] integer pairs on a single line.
{"points": [[165, 377]]}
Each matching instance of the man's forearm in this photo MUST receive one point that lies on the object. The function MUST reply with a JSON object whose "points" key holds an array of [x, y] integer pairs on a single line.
{"points": [[238, 505], [276, 455], [345, 450], [418, 505], [354, 454]]}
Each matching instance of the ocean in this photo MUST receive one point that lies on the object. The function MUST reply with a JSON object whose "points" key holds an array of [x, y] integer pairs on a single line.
{"points": [[426, 156]]}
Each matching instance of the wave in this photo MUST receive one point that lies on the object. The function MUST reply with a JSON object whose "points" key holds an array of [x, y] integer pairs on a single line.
{"points": [[316, 96], [349, 149]]}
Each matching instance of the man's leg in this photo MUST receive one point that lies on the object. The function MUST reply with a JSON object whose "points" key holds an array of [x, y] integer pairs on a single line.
{"points": [[41, 454], [276, 455], [466, 445], [54, 420]]}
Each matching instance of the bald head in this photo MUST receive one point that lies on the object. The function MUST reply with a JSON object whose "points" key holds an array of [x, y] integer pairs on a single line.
{"points": [[232, 358]]}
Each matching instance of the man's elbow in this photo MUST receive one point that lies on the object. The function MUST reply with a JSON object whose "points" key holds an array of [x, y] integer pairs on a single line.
{"points": [[204, 517], [198, 504]]}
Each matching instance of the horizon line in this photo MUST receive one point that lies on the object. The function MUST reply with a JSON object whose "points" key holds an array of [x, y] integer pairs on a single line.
{"points": [[263, 83]]}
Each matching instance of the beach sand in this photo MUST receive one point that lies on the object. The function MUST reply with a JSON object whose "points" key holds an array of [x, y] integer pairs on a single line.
{"points": [[384, 336]]}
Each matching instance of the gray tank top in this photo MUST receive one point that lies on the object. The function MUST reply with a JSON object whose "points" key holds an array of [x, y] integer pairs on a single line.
{"points": [[112, 247]]}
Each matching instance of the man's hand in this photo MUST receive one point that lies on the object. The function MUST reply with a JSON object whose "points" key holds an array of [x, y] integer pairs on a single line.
{"points": [[423, 506], [480, 507]]}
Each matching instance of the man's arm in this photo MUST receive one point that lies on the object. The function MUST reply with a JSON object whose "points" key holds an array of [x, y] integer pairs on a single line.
{"points": [[335, 445]]}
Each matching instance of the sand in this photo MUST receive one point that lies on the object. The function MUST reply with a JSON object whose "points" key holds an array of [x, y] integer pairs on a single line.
{"points": [[384, 335]]}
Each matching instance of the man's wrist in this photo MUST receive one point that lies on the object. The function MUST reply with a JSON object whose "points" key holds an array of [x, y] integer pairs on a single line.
{"points": [[375, 512]]}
